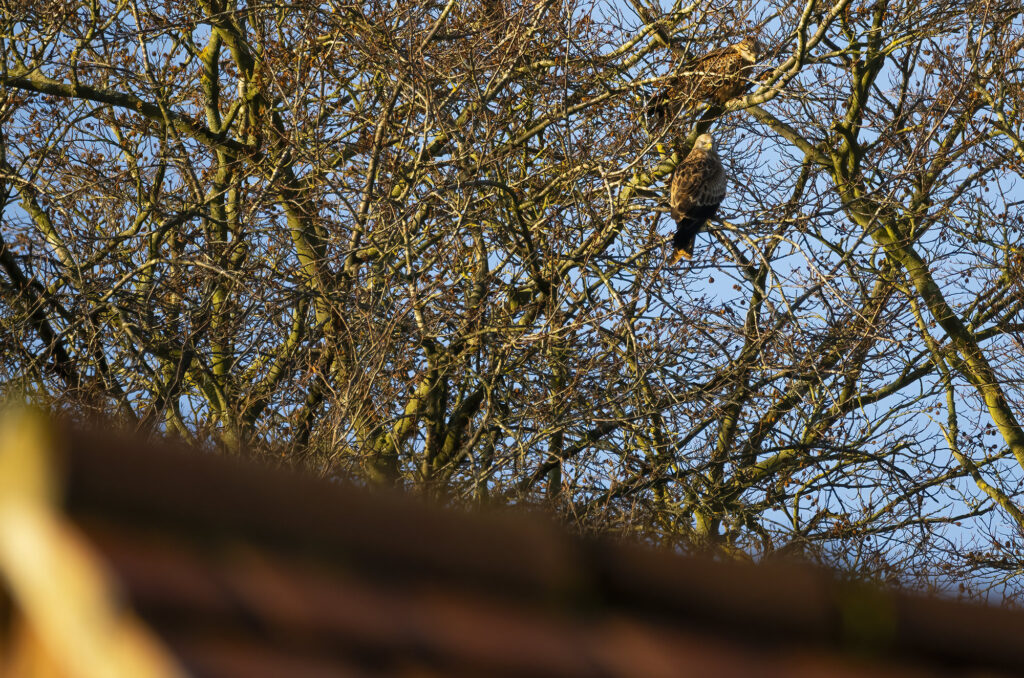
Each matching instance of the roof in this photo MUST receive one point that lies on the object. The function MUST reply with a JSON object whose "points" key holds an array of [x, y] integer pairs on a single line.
{"points": [[237, 569]]}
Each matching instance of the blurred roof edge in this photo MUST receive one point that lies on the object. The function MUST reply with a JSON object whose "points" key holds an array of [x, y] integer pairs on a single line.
{"points": [[215, 552]]}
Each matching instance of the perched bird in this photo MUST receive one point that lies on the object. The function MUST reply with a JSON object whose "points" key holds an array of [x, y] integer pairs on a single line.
{"points": [[718, 76], [696, 191]]}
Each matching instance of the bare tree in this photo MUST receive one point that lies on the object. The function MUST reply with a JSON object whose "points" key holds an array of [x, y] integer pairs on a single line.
{"points": [[424, 243]]}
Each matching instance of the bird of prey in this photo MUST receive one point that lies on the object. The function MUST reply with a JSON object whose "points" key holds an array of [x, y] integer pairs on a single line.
{"points": [[696, 191], [718, 76]]}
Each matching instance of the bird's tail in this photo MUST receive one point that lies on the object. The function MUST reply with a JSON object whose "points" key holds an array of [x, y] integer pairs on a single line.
{"points": [[683, 241], [657, 111]]}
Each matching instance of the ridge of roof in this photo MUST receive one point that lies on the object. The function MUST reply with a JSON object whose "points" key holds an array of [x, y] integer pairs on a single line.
{"points": [[385, 536]]}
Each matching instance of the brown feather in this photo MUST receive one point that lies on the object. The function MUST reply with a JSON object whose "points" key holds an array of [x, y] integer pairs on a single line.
{"points": [[716, 77]]}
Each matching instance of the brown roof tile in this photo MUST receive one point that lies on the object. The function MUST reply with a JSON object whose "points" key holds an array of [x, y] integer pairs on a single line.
{"points": [[248, 571]]}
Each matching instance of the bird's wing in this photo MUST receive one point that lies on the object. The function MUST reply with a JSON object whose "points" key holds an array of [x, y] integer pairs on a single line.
{"points": [[685, 181], [707, 62], [712, 188], [697, 181]]}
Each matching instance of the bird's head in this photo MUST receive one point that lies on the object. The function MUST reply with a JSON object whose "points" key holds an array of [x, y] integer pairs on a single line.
{"points": [[703, 143], [749, 49]]}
